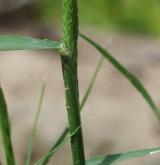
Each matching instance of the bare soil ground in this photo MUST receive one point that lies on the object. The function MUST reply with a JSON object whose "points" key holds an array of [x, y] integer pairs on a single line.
{"points": [[115, 118]]}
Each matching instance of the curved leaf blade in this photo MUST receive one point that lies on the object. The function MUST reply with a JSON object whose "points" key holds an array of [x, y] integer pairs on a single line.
{"points": [[10, 42], [59, 141], [111, 159], [5, 130], [135, 82], [57, 147]]}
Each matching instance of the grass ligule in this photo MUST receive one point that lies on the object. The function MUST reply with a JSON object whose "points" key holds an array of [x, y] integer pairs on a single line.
{"points": [[35, 124], [136, 83], [110, 159], [9, 42], [5, 130]]}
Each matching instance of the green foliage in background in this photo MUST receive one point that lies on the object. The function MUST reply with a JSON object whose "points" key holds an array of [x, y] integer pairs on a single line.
{"points": [[122, 15], [49, 9]]}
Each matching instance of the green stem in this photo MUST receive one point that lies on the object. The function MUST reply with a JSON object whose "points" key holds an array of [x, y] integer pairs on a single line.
{"points": [[69, 68], [64, 134]]}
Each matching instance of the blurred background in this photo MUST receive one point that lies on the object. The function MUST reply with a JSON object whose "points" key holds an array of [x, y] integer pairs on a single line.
{"points": [[115, 117]]}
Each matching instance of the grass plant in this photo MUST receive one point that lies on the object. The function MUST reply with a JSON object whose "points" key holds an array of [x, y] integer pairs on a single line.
{"points": [[67, 49]]}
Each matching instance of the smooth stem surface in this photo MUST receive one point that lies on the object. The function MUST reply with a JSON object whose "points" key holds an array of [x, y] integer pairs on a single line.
{"points": [[69, 68]]}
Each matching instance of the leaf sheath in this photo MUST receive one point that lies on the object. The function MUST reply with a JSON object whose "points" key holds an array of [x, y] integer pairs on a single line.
{"points": [[84, 100]]}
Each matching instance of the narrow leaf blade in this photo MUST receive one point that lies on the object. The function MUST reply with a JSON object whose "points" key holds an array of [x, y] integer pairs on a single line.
{"points": [[5, 130], [35, 124], [110, 159], [135, 82], [91, 83], [10, 42], [84, 100], [59, 141], [57, 147]]}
